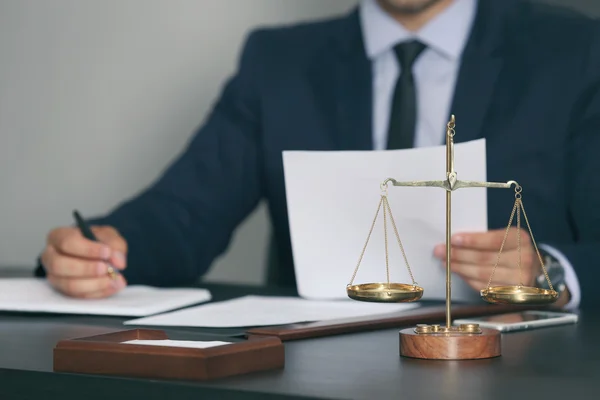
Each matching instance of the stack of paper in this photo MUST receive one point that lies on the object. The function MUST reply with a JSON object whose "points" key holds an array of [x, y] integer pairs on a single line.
{"points": [[36, 295], [332, 199], [266, 311]]}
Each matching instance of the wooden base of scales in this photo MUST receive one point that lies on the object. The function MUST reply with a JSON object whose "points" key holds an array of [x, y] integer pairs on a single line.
{"points": [[462, 342], [443, 345]]}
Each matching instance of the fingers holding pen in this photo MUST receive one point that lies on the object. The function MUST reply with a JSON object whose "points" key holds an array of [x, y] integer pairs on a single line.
{"points": [[62, 265], [68, 240], [82, 268], [116, 243]]}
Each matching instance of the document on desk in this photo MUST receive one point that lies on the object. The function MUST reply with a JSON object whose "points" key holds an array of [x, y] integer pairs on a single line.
{"points": [[267, 311], [36, 295], [193, 344], [332, 199]]}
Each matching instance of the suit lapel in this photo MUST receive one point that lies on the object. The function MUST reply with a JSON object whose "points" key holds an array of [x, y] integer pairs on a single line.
{"points": [[354, 111], [481, 67], [342, 86], [473, 94]]}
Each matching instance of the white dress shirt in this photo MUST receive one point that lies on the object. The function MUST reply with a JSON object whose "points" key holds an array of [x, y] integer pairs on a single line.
{"points": [[435, 71]]}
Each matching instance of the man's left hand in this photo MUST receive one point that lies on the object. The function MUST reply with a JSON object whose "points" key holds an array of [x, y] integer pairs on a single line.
{"points": [[473, 256]]}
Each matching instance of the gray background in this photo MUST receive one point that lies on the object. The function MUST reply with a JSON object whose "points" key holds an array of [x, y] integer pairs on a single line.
{"points": [[98, 96]]}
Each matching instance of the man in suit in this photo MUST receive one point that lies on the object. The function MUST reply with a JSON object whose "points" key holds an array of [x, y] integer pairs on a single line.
{"points": [[387, 76]]}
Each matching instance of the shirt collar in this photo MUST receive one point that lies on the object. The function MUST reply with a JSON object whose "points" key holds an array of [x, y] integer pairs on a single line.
{"points": [[446, 34]]}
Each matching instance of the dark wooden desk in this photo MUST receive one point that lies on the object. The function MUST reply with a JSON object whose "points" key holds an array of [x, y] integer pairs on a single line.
{"points": [[559, 362]]}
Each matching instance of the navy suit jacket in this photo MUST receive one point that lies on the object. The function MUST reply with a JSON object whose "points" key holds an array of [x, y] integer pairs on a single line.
{"points": [[529, 83]]}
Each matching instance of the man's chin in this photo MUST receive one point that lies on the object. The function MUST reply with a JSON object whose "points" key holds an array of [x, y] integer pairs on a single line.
{"points": [[407, 6]]}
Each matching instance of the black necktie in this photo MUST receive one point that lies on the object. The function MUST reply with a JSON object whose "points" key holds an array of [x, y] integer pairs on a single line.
{"points": [[403, 113]]}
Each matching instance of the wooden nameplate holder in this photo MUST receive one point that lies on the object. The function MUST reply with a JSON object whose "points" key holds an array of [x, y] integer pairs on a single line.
{"points": [[107, 355]]}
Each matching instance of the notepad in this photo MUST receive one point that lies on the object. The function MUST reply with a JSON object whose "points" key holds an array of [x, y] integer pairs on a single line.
{"points": [[36, 295], [177, 343], [267, 311]]}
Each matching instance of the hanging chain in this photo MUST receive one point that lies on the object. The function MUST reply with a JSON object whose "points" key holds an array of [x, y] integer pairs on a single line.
{"points": [[400, 242], [518, 201], [518, 208], [536, 248], [387, 259], [386, 208], [383, 196], [512, 215]]}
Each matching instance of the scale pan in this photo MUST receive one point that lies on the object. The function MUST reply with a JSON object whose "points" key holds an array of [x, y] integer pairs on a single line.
{"points": [[384, 292], [523, 295]]}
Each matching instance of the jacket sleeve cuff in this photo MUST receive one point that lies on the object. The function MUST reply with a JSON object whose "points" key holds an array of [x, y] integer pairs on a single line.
{"points": [[571, 280]]}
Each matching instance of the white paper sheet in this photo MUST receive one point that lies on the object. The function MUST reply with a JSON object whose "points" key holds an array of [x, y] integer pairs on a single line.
{"points": [[36, 295], [264, 311], [177, 343], [332, 198]]}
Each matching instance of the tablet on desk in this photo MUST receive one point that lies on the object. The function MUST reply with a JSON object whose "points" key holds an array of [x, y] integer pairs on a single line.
{"points": [[521, 320]]}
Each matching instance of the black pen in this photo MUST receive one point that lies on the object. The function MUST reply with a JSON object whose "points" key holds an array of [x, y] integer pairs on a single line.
{"points": [[88, 234]]}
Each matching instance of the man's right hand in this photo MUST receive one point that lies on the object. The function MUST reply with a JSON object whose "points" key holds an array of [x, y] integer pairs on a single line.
{"points": [[78, 267]]}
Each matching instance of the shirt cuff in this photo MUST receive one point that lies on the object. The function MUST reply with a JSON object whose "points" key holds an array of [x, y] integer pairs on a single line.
{"points": [[571, 280]]}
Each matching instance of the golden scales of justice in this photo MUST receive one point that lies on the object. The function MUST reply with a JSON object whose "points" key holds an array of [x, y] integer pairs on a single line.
{"points": [[467, 341]]}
